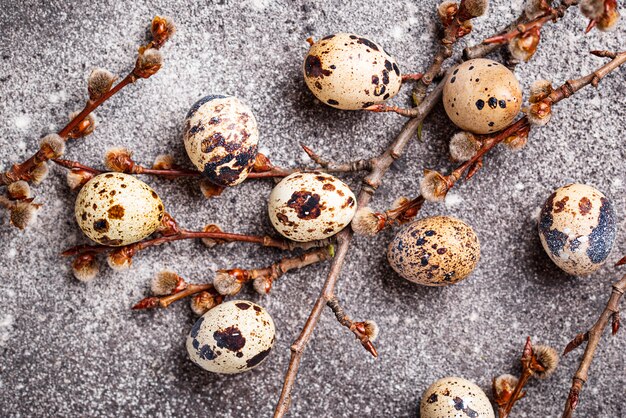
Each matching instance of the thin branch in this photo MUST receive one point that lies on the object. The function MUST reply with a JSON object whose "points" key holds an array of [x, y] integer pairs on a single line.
{"points": [[593, 337]]}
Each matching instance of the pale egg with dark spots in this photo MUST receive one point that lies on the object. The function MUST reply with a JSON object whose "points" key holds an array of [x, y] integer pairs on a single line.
{"points": [[233, 337], [482, 96], [435, 251], [118, 209], [349, 71], [221, 139], [577, 228], [455, 397], [311, 206]]}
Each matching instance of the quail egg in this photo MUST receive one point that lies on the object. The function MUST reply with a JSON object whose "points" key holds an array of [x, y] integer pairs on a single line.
{"points": [[455, 397], [233, 337], [311, 206], [348, 71], [482, 96], [577, 228], [221, 138], [435, 251], [117, 209]]}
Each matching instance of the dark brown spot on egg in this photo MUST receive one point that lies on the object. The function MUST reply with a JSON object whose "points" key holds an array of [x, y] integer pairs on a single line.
{"points": [[242, 305], [154, 195], [325, 38], [349, 202], [493, 102], [385, 77], [367, 43], [318, 85], [313, 67], [452, 80], [84, 216], [584, 206], [306, 204], [258, 358], [101, 225], [282, 218], [116, 212], [328, 187], [388, 65], [560, 205], [229, 338], [333, 102], [375, 79], [480, 104], [108, 175]]}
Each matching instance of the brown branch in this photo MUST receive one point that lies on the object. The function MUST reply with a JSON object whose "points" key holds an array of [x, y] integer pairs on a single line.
{"points": [[24, 170], [165, 301], [357, 328], [593, 337]]}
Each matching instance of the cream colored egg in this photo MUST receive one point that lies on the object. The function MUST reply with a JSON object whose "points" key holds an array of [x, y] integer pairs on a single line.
{"points": [[311, 206], [233, 337], [455, 397], [118, 209], [577, 228], [221, 138], [348, 71], [482, 96], [435, 251]]}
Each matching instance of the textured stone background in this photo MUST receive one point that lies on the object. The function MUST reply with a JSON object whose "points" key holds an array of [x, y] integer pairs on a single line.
{"points": [[70, 349]]}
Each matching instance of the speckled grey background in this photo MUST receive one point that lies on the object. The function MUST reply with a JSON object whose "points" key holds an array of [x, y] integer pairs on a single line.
{"points": [[70, 349]]}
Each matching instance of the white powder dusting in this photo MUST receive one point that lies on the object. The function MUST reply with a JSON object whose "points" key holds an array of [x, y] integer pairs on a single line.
{"points": [[535, 213], [452, 200], [6, 326], [22, 121], [519, 186]]}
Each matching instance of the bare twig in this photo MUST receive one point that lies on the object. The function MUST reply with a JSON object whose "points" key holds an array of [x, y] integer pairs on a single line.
{"points": [[593, 337]]}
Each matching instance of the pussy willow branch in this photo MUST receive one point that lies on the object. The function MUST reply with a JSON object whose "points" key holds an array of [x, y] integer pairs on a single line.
{"points": [[131, 249], [593, 337], [482, 49], [23, 171]]}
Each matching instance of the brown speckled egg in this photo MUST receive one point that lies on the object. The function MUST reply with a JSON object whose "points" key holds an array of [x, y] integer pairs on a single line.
{"points": [[117, 209], [221, 138], [233, 337], [455, 397], [435, 251], [311, 206], [348, 71], [482, 96], [577, 228]]}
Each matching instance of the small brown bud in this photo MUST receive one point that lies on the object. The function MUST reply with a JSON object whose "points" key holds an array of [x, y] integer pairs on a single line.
{"points": [[367, 222], [19, 190], [592, 9], [203, 302], [119, 159], [476, 8], [99, 83], [85, 267], [548, 360], [370, 329], [465, 28], [162, 29], [539, 113], [39, 173], [148, 63], [608, 21], [434, 186], [85, 127], [22, 213], [230, 282], [166, 283], [261, 163], [163, 162], [209, 189], [447, 10], [262, 285], [77, 177], [540, 90], [120, 259], [503, 387], [53, 145], [463, 146], [524, 46], [212, 242], [518, 140]]}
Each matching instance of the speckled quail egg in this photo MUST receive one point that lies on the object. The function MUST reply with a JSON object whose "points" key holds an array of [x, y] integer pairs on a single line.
{"points": [[482, 96], [233, 337], [117, 209], [311, 206], [221, 138], [577, 228], [455, 397], [348, 71], [435, 251]]}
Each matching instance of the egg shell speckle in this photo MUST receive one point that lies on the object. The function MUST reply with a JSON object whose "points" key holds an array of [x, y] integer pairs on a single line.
{"points": [[350, 72], [117, 209], [482, 96], [435, 251], [577, 228], [221, 138], [233, 337], [455, 397], [311, 206]]}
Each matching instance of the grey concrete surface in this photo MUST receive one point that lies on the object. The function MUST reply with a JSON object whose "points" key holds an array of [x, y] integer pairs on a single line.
{"points": [[70, 349]]}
